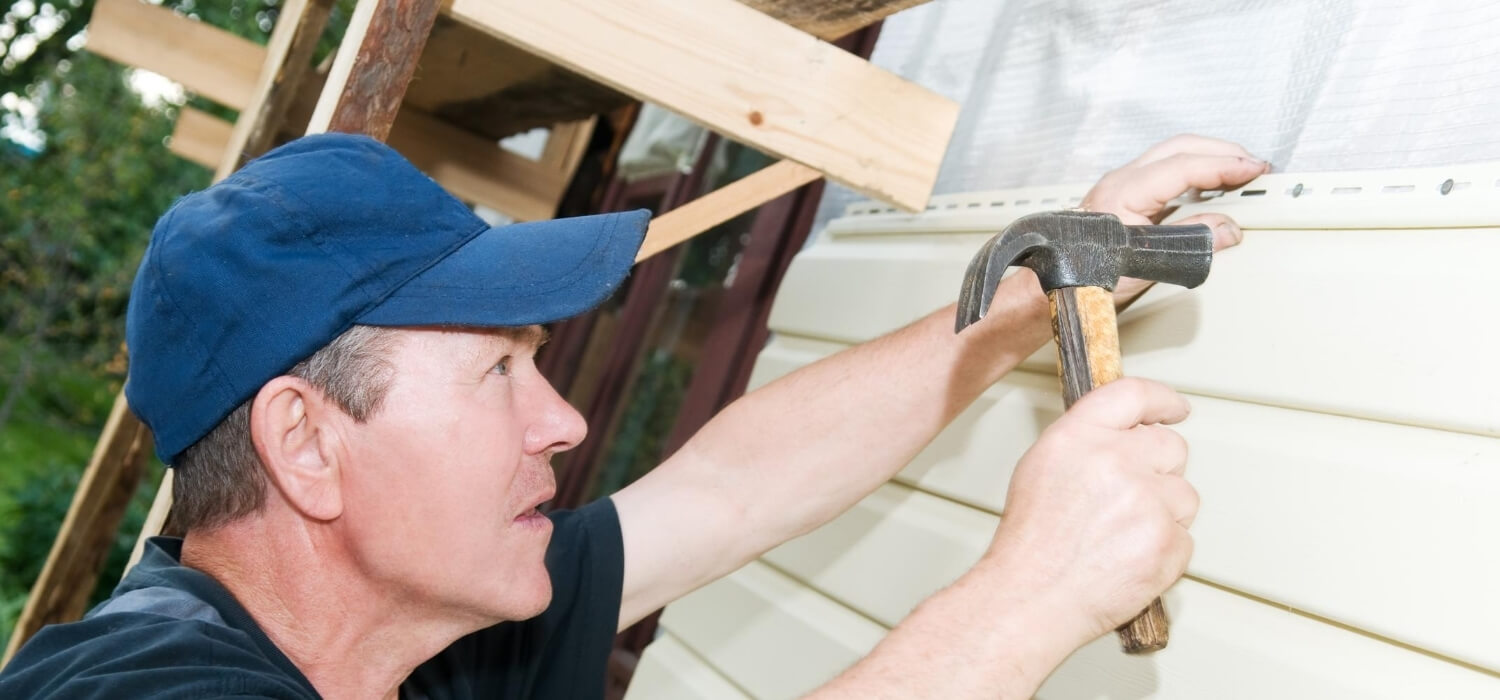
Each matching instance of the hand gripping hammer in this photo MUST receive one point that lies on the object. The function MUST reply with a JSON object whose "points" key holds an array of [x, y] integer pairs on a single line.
{"points": [[1079, 257]]}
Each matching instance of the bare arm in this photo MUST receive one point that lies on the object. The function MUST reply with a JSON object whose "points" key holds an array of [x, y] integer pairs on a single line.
{"points": [[1095, 526], [796, 453]]}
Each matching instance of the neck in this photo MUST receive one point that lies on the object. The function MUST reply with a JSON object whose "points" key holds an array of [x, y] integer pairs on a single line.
{"points": [[350, 636]]}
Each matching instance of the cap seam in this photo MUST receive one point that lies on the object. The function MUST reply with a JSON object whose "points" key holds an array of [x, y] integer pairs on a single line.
{"points": [[316, 235]]}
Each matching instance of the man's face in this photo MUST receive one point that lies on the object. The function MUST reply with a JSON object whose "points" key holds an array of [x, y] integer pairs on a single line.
{"points": [[443, 480]]}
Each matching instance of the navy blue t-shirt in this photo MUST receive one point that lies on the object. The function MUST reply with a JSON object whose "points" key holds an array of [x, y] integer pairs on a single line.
{"points": [[170, 631]]}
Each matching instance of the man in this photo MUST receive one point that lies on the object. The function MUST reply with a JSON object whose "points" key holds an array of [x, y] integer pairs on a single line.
{"points": [[337, 358]]}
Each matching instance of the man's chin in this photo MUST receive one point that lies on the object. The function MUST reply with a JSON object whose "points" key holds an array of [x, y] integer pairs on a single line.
{"points": [[537, 600]]}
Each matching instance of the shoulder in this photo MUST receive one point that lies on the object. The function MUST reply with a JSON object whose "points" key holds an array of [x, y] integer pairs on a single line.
{"points": [[143, 655]]}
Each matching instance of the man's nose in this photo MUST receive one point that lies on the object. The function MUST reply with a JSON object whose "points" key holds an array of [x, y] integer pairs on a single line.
{"points": [[557, 426]]}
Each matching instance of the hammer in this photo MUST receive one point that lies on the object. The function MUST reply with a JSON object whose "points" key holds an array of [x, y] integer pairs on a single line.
{"points": [[1079, 257]]}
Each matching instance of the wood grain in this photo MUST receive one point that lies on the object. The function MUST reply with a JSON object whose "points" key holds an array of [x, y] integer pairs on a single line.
{"points": [[375, 62], [200, 137], [207, 60], [723, 204], [288, 55], [1088, 356], [746, 76]]}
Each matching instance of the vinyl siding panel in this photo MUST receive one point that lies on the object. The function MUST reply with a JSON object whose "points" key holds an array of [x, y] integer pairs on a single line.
{"points": [[1344, 440], [671, 671]]}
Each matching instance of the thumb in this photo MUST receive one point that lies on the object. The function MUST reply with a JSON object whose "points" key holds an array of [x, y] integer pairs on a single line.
{"points": [[1227, 233]]}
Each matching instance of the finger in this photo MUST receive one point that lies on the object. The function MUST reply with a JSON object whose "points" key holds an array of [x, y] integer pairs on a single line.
{"points": [[1181, 499], [1227, 233], [1155, 184], [1128, 402], [1191, 143], [1162, 449]]}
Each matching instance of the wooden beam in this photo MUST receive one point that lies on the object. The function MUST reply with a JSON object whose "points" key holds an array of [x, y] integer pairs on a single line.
{"points": [[495, 89], [566, 144], [478, 170], [200, 137], [61, 592], [156, 519], [723, 204], [375, 61], [747, 76], [205, 59], [288, 55], [470, 167], [831, 19]]}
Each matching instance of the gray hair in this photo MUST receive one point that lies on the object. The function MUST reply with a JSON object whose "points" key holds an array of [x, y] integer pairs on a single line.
{"points": [[220, 478]]}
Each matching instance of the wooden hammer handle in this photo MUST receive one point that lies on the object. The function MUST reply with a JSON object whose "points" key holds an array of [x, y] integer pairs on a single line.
{"points": [[1088, 349]]}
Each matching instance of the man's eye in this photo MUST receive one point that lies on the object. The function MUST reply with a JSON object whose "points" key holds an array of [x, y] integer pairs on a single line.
{"points": [[502, 367]]}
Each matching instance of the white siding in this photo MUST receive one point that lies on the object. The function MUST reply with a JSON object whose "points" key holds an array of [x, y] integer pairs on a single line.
{"points": [[671, 671], [1344, 440]]}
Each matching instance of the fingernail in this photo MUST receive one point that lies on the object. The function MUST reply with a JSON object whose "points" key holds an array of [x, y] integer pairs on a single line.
{"points": [[1231, 230]]}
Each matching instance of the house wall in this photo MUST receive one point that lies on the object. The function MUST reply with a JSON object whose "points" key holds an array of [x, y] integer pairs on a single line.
{"points": [[1344, 441]]}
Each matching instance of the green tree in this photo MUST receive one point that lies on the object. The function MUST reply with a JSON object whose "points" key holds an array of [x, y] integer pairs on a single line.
{"points": [[84, 174]]}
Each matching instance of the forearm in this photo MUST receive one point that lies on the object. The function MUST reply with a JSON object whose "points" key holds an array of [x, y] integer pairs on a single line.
{"points": [[800, 450], [989, 635]]}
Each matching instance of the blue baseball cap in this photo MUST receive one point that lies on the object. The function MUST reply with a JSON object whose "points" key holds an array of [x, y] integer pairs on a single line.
{"points": [[245, 279]]}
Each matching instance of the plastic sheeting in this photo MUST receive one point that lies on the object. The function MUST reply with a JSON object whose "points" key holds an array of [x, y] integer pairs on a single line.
{"points": [[1060, 92]]}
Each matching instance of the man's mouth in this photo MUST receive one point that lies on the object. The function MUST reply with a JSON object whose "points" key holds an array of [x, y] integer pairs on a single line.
{"points": [[531, 517]]}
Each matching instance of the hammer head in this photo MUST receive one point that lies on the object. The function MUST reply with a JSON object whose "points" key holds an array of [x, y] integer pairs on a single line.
{"points": [[1084, 249]]}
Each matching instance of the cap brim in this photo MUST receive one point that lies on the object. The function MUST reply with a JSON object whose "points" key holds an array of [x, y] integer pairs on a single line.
{"points": [[519, 275]]}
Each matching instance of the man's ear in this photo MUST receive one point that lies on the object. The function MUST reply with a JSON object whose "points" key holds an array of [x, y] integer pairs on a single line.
{"points": [[292, 426]]}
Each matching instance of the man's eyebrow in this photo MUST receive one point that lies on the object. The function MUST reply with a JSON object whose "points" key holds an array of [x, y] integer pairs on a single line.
{"points": [[533, 336]]}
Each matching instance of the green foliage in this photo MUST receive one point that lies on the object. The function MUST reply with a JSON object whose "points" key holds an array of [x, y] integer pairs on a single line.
{"points": [[645, 422], [76, 208]]}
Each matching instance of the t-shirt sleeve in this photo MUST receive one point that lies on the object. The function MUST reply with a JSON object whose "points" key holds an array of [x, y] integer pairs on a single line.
{"points": [[562, 653]]}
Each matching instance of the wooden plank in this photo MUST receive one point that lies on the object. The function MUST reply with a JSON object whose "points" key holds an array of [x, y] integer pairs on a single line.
{"points": [[375, 61], [747, 76], [207, 60], [468, 166], [288, 55], [156, 520], [566, 145], [723, 204], [769, 635], [200, 137], [61, 592], [831, 19], [495, 89], [478, 170], [670, 671]]}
